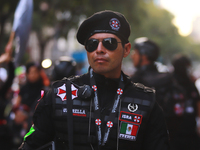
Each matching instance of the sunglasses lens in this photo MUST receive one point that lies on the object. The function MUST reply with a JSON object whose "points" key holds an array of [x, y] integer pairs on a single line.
{"points": [[110, 43], [91, 45]]}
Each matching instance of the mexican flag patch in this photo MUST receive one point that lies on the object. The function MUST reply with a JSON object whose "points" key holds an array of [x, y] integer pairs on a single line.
{"points": [[128, 131]]}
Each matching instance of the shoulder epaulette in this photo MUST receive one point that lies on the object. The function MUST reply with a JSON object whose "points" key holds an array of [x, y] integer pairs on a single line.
{"points": [[141, 87]]}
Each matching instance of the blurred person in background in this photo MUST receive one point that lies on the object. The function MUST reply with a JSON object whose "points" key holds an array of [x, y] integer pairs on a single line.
{"points": [[197, 84], [170, 92], [27, 98], [64, 67], [5, 133], [144, 55], [185, 136]]}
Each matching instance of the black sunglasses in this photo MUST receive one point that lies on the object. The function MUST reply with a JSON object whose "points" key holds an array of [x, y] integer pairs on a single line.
{"points": [[109, 43]]}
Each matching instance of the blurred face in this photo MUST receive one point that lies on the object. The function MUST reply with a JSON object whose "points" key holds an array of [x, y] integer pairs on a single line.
{"points": [[135, 56], [33, 74], [107, 62]]}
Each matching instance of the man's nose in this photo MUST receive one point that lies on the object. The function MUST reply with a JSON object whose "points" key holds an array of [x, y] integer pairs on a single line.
{"points": [[100, 47]]}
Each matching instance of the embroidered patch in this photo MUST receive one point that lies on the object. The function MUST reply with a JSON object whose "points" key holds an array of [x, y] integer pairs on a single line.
{"points": [[132, 107], [115, 24], [130, 117], [62, 92], [76, 112], [128, 131]]}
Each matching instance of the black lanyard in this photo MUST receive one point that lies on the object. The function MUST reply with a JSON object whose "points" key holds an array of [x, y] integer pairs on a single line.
{"points": [[69, 115], [97, 113]]}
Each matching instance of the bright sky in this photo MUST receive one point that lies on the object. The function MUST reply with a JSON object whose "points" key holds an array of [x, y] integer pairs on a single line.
{"points": [[185, 12]]}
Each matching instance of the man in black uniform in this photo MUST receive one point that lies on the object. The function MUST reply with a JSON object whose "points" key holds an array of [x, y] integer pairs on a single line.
{"points": [[144, 56], [101, 109], [145, 53], [173, 93], [185, 135]]}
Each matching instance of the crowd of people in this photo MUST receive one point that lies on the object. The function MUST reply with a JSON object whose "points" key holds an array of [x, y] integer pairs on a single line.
{"points": [[20, 93], [104, 108], [175, 92]]}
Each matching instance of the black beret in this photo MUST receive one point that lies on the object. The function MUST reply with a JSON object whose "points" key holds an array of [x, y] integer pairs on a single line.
{"points": [[104, 22]]}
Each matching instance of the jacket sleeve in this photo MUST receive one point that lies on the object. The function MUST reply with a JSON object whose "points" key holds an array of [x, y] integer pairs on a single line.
{"points": [[156, 136], [42, 130]]}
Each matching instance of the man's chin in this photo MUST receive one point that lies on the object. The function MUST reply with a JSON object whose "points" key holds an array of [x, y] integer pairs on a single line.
{"points": [[100, 70]]}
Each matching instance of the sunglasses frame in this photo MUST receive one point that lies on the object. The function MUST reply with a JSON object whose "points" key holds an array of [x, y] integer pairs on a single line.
{"points": [[108, 47]]}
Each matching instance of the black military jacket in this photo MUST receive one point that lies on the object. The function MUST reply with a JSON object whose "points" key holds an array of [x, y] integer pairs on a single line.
{"points": [[138, 123]]}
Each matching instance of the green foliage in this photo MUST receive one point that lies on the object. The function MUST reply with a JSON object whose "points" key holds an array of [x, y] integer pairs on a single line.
{"points": [[145, 19]]}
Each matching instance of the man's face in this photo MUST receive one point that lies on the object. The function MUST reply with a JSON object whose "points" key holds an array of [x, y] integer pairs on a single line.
{"points": [[107, 62], [135, 56]]}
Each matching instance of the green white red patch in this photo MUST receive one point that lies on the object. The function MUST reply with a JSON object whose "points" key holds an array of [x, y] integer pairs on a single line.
{"points": [[128, 131], [130, 124]]}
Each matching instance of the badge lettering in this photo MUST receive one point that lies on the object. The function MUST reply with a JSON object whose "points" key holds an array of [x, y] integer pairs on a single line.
{"points": [[76, 112], [127, 117], [130, 117]]}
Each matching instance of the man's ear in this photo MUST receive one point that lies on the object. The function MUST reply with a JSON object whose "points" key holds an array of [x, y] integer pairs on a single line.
{"points": [[127, 48]]}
